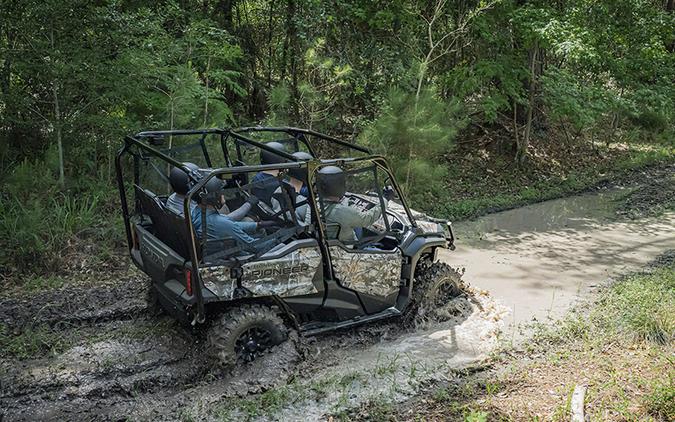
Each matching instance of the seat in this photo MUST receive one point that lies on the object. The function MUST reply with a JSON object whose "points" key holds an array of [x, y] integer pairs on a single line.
{"points": [[168, 226]]}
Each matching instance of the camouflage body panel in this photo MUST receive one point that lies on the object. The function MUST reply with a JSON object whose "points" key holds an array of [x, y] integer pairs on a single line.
{"points": [[297, 273], [430, 227], [376, 274], [398, 211]]}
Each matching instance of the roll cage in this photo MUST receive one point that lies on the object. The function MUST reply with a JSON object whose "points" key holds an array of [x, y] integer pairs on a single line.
{"points": [[145, 145]]}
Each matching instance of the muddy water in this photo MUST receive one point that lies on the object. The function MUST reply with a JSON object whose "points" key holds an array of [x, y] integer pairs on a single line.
{"points": [[539, 259], [533, 262], [526, 264]]}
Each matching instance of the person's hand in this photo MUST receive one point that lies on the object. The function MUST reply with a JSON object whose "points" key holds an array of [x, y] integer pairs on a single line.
{"points": [[267, 224], [389, 193], [253, 200]]}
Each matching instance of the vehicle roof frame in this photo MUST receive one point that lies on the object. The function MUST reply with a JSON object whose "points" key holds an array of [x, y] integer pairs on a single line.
{"points": [[294, 131]]}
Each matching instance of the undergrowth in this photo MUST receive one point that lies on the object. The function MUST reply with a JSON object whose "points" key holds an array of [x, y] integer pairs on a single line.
{"points": [[480, 182], [45, 229]]}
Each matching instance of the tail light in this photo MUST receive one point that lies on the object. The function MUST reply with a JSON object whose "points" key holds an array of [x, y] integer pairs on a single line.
{"points": [[188, 282]]}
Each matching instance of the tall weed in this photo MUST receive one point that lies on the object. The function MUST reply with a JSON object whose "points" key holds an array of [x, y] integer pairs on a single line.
{"points": [[641, 306], [40, 224]]}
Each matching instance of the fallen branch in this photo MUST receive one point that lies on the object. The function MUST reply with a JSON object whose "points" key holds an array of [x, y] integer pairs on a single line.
{"points": [[577, 406]]}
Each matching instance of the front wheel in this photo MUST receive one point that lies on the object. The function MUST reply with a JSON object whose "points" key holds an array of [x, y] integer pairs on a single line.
{"points": [[244, 333], [438, 293]]}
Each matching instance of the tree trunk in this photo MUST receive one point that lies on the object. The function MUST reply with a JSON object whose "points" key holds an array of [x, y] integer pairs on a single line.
{"points": [[206, 91], [58, 128], [290, 53], [670, 7], [269, 44], [521, 152], [225, 10], [5, 76]]}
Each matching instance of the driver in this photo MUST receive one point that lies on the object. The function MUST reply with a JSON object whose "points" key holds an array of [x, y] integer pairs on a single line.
{"points": [[219, 226], [331, 183]]}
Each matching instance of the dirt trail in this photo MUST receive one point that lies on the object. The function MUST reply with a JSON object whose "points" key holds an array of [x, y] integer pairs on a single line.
{"points": [[121, 362]]}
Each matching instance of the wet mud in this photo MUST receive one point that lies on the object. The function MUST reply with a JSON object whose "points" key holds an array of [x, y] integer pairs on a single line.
{"points": [[134, 365], [119, 361], [541, 259], [75, 305]]}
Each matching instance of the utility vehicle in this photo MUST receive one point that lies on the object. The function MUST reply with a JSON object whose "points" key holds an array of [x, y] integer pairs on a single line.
{"points": [[308, 280]]}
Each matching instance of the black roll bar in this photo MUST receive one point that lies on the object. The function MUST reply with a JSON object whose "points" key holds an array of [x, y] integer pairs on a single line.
{"points": [[294, 130]]}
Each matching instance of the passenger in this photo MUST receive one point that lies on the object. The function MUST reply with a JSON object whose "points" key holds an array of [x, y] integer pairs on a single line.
{"points": [[219, 226], [298, 181], [332, 188], [266, 182], [180, 183]]}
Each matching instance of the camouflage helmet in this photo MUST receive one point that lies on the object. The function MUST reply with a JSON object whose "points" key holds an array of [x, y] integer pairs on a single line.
{"points": [[331, 182], [300, 173], [179, 180], [268, 157]]}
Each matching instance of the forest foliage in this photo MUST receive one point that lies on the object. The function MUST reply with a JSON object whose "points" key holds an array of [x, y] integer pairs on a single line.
{"points": [[407, 77]]}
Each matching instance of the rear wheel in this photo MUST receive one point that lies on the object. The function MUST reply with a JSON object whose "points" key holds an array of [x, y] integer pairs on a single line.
{"points": [[438, 293], [245, 333]]}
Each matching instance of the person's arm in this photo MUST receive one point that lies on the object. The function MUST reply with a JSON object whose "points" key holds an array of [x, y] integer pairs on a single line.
{"points": [[239, 233], [274, 202], [367, 218], [241, 212]]}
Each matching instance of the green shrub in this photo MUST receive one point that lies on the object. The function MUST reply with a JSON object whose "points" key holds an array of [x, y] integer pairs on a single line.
{"points": [[39, 221], [414, 133]]}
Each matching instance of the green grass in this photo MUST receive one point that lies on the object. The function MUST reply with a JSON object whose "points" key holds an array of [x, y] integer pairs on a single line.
{"points": [[660, 402], [42, 340], [641, 307], [31, 342], [38, 283], [274, 400]]}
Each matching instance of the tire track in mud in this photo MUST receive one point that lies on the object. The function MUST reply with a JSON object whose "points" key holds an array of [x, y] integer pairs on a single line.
{"points": [[75, 305], [124, 361], [119, 350]]}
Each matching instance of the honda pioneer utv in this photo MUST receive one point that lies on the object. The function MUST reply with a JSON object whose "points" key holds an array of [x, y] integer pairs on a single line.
{"points": [[286, 261]]}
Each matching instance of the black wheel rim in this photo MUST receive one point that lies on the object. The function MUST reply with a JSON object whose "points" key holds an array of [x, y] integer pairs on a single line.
{"points": [[444, 291], [252, 343]]}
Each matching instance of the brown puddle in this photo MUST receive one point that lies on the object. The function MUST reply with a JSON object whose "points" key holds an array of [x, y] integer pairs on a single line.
{"points": [[539, 259]]}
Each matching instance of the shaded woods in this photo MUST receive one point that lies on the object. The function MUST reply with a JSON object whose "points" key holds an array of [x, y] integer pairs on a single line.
{"points": [[424, 81]]}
